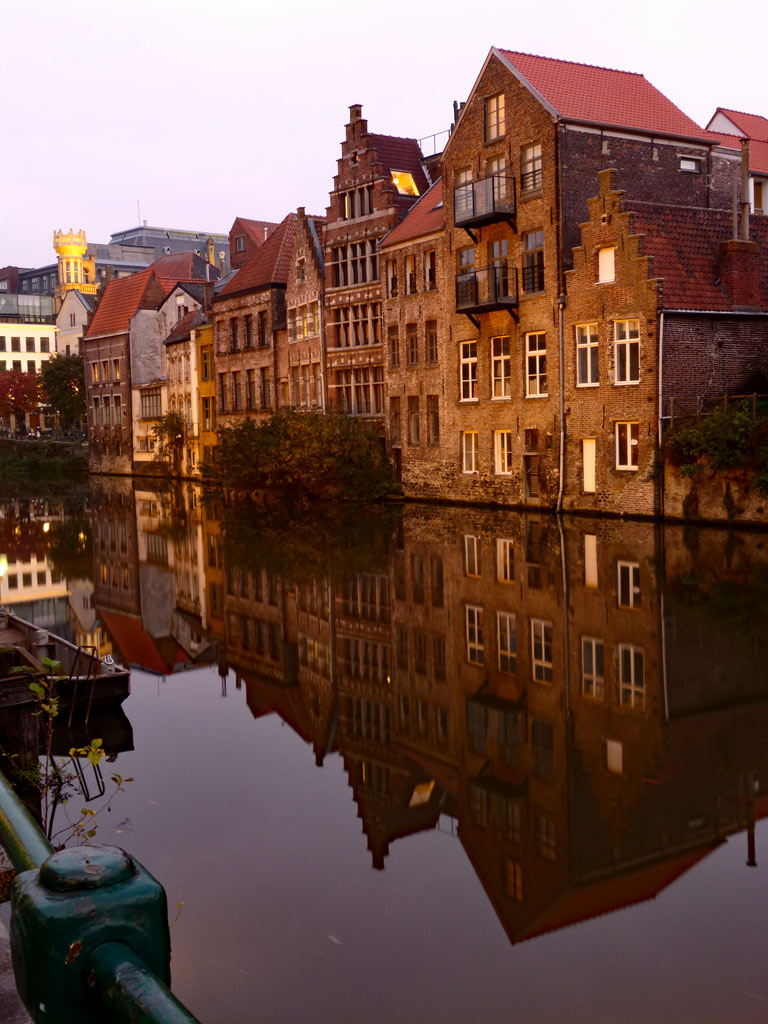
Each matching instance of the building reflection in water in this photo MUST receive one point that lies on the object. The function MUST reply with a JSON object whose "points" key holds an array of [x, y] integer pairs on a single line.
{"points": [[546, 690]]}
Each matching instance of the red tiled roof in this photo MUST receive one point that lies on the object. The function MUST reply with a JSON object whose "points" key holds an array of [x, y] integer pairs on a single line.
{"points": [[122, 298], [185, 266], [398, 154], [754, 126], [621, 99], [268, 265], [423, 218], [685, 245], [257, 230], [758, 150]]}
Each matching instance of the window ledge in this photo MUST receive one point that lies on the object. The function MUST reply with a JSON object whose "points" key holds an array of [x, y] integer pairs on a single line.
{"points": [[534, 193], [596, 385]]}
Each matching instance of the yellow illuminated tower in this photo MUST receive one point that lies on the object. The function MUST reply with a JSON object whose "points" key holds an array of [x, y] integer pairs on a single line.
{"points": [[76, 273]]}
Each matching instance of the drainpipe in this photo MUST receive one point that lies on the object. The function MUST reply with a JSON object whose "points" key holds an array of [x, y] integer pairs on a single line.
{"points": [[745, 190], [660, 371], [561, 342]]}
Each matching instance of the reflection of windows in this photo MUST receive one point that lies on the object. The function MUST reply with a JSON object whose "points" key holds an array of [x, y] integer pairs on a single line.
{"points": [[477, 726], [474, 630], [592, 667], [507, 634], [627, 351], [627, 440], [505, 561], [587, 366], [541, 650], [614, 757], [478, 804], [471, 555], [436, 575], [545, 836], [513, 879], [631, 676], [469, 459], [628, 589], [438, 655]]}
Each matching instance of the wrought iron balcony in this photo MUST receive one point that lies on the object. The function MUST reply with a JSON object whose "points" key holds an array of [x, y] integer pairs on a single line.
{"points": [[483, 202], [481, 291]]}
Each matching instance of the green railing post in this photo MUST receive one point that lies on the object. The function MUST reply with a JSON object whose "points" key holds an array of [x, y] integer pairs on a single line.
{"points": [[89, 930]]}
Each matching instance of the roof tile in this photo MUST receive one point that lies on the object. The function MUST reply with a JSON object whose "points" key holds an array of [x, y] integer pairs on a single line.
{"points": [[424, 217], [268, 265]]}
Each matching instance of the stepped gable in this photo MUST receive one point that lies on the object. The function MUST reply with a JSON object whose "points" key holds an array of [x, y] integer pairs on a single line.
{"points": [[424, 217], [601, 96], [685, 243], [268, 265]]}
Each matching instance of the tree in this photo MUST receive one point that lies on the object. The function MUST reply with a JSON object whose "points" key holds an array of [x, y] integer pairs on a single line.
{"points": [[169, 434], [63, 386], [19, 393]]}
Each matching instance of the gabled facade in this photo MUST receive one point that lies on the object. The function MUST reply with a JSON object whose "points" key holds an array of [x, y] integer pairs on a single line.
{"points": [[245, 237], [301, 359], [379, 177]]}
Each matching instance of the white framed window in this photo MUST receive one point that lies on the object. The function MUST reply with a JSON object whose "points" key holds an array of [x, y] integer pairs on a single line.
{"points": [[690, 164], [502, 452], [506, 630], [505, 560], [471, 555], [469, 451], [468, 371], [541, 650], [530, 163], [474, 628], [592, 667], [501, 383], [587, 356], [495, 124], [628, 584], [627, 440], [496, 169], [626, 342], [606, 264], [631, 676], [536, 365]]}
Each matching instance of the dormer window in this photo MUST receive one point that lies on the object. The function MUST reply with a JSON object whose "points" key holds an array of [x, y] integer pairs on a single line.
{"points": [[240, 243], [404, 183]]}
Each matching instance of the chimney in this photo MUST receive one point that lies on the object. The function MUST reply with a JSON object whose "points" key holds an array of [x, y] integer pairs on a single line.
{"points": [[207, 296], [357, 122], [745, 190], [740, 272]]}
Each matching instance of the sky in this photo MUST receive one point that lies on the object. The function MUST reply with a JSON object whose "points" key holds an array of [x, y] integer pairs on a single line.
{"points": [[188, 114]]}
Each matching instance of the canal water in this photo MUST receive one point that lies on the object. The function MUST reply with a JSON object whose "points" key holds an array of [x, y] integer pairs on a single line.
{"points": [[431, 764]]}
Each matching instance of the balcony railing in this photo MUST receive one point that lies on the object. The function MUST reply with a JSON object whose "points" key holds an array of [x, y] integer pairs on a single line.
{"points": [[482, 202], [480, 291]]}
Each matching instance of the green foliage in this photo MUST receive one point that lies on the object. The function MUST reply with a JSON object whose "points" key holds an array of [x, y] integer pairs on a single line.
{"points": [[304, 457], [63, 387], [169, 433], [729, 440], [70, 547]]}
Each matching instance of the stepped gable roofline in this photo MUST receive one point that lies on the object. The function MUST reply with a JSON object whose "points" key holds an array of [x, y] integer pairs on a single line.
{"points": [[754, 126], [601, 96], [424, 218], [268, 265], [685, 244], [181, 330]]}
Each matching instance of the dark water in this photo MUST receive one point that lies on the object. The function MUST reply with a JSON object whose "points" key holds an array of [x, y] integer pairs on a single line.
{"points": [[454, 765]]}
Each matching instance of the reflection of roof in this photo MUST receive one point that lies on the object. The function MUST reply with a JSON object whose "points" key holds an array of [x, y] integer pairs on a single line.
{"points": [[424, 217], [582, 92], [138, 648], [265, 696], [616, 893]]}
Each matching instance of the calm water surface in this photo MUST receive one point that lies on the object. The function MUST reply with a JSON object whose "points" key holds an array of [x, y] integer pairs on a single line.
{"points": [[456, 766]]}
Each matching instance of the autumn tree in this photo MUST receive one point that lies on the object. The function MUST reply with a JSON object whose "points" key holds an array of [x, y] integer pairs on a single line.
{"points": [[19, 394], [63, 387]]}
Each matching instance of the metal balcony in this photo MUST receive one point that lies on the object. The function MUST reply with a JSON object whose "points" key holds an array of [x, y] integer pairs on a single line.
{"points": [[484, 202], [482, 291]]}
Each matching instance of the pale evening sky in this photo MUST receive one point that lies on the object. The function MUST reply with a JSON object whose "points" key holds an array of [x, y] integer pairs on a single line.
{"points": [[207, 111]]}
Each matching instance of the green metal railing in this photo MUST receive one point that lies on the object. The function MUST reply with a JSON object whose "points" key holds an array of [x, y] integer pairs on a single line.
{"points": [[89, 930]]}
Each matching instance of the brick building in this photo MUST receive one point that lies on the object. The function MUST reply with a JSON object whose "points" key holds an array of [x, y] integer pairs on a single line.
{"points": [[245, 237], [379, 177], [301, 352]]}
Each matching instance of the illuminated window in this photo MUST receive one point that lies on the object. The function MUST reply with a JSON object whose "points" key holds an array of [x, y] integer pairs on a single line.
{"points": [[404, 183], [530, 179], [627, 440], [495, 125]]}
